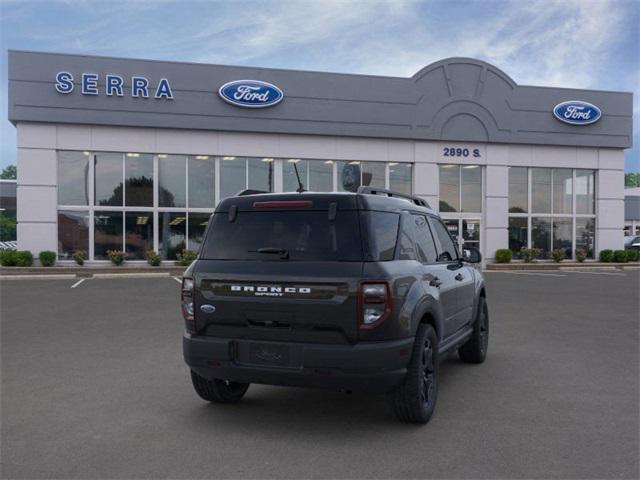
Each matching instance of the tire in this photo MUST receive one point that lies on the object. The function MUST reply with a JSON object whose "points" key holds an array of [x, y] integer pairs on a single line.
{"points": [[218, 391], [475, 350], [414, 401]]}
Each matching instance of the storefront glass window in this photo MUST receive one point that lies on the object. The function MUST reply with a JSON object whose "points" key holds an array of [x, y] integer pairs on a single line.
{"points": [[73, 233], [373, 174], [107, 233], [138, 234], [562, 190], [585, 192], [260, 174], [517, 235], [471, 191], [172, 188], [449, 188], [400, 177], [197, 224], [138, 172], [541, 190], [233, 176], [108, 179], [562, 235], [73, 178], [172, 231], [201, 181], [320, 175], [585, 235], [518, 190], [349, 174], [541, 235], [289, 178]]}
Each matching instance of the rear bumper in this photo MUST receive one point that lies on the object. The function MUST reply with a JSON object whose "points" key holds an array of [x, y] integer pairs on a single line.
{"points": [[368, 366]]}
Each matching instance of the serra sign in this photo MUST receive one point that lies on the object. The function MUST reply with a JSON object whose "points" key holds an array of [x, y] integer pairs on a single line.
{"points": [[577, 112], [250, 93], [113, 85]]}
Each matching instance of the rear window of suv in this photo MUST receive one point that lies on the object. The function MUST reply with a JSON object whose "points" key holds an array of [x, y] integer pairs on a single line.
{"points": [[303, 235]]}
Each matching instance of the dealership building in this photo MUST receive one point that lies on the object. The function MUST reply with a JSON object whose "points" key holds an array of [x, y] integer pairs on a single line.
{"points": [[134, 155]]}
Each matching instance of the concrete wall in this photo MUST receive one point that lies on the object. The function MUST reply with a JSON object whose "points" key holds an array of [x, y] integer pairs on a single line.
{"points": [[37, 175]]}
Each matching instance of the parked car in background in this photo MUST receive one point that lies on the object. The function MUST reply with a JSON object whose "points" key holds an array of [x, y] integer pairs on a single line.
{"points": [[632, 241]]}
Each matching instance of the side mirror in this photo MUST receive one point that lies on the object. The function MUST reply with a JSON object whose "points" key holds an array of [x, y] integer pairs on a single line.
{"points": [[471, 255]]}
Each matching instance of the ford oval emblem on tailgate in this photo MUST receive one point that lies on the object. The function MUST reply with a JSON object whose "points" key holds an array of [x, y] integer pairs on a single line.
{"points": [[206, 308]]}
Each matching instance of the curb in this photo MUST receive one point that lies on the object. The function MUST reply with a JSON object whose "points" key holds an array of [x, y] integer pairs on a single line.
{"points": [[90, 272], [498, 267]]}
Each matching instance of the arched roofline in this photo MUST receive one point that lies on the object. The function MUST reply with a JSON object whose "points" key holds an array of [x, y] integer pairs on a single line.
{"points": [[446, 62]]}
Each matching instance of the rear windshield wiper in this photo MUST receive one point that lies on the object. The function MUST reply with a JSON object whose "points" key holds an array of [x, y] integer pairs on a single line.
{"points": [[283, 252]]}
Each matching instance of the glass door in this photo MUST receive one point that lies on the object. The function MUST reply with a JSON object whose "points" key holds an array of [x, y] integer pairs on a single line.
{"points": [[465, 231]]}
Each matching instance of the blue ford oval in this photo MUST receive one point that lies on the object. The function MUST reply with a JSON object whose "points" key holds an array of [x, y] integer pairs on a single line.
{"points": [[577, 112], [250, 93]]}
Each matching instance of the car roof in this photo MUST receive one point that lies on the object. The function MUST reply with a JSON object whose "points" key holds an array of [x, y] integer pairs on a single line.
{"points": [[322, 201]]}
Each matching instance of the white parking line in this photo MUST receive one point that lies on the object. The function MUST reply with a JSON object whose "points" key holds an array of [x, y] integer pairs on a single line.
{"points": [[177, 280], [78, 283], [598, 273], [531, 273]]}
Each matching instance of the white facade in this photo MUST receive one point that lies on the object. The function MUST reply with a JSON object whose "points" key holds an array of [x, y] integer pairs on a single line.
{"points": [[37, 169]]}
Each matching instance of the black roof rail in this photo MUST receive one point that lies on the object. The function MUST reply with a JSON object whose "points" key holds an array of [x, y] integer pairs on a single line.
{"points": [[249, 191], [389, 193]]}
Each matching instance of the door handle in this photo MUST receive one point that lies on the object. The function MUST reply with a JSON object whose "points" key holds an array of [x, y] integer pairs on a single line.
{"points": [[435, 282], [459, 277]]}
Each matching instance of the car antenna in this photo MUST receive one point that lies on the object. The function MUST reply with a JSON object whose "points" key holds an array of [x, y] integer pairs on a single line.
{"points": [[300, 188]]}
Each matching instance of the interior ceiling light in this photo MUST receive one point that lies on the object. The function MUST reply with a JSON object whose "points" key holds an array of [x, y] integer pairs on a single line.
{"points": [[293, 160], [329, 162], [267, 159], [133, 154], [355, 162], [470, 166], [162, 155], [202, 157], [228, 158]]}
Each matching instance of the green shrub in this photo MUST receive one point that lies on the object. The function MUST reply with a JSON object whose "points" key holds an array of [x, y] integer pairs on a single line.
{"points": [[24, 258], [606, 255], [581, 254], [8, 258], [186, 257], [503, 255], [633, 255], [558, 255], [47, 258], [117, 257], [80, 256], [530, 254], [620, 256], [153, 258]]}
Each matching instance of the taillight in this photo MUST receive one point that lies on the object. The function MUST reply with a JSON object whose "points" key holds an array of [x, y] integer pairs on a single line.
{"points": [[374, 304], [186, 300]]}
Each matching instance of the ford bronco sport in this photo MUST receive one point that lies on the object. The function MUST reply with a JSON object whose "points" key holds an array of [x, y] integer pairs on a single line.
{"points": [[352, 291]]}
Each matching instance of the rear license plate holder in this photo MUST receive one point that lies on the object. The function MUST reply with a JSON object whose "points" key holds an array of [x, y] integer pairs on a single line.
{"points": [[265, 354]]}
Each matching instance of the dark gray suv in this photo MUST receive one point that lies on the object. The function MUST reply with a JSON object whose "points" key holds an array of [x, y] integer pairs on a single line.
{"points": [[351, 291]]}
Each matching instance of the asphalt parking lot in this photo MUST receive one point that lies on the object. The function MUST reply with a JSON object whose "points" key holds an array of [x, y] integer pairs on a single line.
{"points": [[94, 386]]}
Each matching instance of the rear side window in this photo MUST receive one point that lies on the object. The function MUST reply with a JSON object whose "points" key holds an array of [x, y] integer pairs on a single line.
{"points": [[382, 233], [448, 251], [303, 235], [426, 247]]}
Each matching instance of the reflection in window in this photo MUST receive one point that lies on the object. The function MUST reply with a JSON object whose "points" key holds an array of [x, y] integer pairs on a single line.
{"points": [[562, 190], [541, 190], [73, 178], [400, 177], [107, 233], [108, 179], [73, 233], [471, 191], [138, 234], [172, 234], [233, 176], [315, 175], [585, 235], [349, 176], [197, 224], [373, 174], [320, 175], [171, 179], [518, 190], [449, 188], [562, 235], [585, 191], [541, 235], [201, 182], [138, 172], [517, 235]]}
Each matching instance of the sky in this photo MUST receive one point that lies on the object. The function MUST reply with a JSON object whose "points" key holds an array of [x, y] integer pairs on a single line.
{"points": [[565, 43]]}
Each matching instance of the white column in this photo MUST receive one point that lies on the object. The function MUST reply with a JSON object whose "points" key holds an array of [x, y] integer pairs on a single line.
{"points": [[37, 188], [426, 177], [496, 209], [610, 200]]}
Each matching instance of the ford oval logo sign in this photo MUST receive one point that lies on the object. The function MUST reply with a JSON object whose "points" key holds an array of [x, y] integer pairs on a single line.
{"points": [[251, 93], [577, 112]]}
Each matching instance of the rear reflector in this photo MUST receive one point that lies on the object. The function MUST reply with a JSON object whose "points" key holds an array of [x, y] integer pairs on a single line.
{"points": [[284, 204]]}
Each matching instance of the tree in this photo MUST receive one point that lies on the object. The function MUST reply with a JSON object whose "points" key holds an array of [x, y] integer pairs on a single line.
{"points": [[632, 180], [9, 172]]}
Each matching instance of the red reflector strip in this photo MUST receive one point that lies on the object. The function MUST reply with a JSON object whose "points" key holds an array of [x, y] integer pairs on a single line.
{"points": [[284, 204]]}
